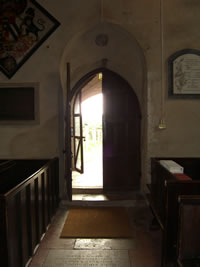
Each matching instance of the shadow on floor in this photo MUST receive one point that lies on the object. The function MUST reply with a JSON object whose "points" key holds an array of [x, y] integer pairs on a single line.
{"points": [[144, 250]]}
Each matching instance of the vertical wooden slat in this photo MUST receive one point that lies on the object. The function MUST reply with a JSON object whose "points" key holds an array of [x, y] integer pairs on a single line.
{"points": [[53, 186], [56, 177], [40, 213], [19, 227], [33, 216], [51, 189], [48, 195], [46, 198], [13, 255], [24, 226], [29, 219], [50, 192], [19, 224], [43, 202], [3, 233], [37, 210]]}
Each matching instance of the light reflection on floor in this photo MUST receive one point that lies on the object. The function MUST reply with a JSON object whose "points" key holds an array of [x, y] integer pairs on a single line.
{"points": [[90, 197], [143, 250]]}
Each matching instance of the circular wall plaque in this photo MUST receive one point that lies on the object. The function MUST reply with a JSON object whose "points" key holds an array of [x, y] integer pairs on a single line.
{"points": [[101, 40]]}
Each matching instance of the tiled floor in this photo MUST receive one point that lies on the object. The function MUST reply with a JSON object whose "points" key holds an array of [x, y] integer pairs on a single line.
{"points": [[142, 251]]}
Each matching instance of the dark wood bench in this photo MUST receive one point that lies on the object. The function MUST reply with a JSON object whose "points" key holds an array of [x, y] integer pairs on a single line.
{"points": [[164, 192], [188, 244], [29, 196], [6, 164]]}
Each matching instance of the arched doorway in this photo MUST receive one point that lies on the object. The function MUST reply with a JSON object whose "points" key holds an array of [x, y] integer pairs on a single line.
{"points": [[121, 131], [125, 56]]}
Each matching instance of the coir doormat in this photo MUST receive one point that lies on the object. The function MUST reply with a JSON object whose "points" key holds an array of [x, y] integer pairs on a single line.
{"points": [[97, 222]]}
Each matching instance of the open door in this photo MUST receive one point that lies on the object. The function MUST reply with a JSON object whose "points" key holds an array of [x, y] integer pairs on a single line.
{"points": [[121, 134], [68, 152], [78, 134]]}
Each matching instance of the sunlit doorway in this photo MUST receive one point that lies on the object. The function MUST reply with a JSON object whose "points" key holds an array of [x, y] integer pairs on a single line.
{"points": [[121, 133], [88, 141]]}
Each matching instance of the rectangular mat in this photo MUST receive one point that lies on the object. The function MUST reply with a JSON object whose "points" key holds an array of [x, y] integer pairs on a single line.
{"points": [[97, 222]]}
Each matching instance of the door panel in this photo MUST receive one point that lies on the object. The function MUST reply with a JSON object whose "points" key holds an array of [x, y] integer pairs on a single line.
{"points": [[78, 135], [121, 134], [68, 152]]}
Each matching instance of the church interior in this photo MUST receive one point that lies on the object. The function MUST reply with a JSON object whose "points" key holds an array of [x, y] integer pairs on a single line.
{"points": [[99, 107]]}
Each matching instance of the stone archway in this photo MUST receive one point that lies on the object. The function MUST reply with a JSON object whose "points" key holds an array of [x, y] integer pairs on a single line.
{"points": [[121, 131], [124, 56]]}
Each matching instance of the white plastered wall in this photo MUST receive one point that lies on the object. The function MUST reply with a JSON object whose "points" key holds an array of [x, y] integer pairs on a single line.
{"points": [[142, 29]]}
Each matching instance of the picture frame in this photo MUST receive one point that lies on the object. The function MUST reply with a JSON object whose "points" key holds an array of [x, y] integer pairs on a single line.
{"points": [[184, 74], [19, 103], [24, 26]]}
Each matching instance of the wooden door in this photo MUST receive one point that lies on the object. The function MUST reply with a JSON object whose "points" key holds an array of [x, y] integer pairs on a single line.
{"points": [[121, 134], [78, 134], [67, 150]]}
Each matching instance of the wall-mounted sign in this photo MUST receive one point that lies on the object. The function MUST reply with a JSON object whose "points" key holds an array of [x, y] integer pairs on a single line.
{"points": [[184, 74], [24, 26], [19, 103]]}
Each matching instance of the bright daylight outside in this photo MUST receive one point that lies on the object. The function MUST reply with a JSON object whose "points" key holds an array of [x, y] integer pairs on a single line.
{"points": [[92, 109]]}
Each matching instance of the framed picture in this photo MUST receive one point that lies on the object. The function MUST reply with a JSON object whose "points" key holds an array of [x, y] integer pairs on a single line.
{"points": [[184, 74], [19, 103], [24, 26]]}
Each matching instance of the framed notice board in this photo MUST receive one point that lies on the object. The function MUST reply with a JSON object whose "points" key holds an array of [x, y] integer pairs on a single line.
{"points": [[18, 102], [184, 74]]}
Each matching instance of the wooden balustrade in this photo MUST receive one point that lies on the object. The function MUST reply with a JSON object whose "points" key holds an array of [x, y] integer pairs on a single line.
{"points": [[27, 204]]}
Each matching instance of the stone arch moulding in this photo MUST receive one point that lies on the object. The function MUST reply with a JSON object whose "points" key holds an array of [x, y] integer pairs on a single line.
{"points": [[124, 57], [123, 53]]}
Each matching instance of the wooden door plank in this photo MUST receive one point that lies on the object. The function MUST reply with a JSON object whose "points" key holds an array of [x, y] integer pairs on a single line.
{"points": [[121, 134]]}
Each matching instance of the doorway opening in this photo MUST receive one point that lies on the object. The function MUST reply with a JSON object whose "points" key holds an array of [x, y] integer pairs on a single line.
{"points": [[87, 143], [114, 162]]}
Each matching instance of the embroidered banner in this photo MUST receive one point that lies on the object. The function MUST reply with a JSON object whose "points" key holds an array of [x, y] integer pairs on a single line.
{"points": [[24, 26]]}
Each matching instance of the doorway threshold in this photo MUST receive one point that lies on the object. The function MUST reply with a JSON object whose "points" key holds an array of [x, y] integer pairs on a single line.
{"points": [[87, 190], [125, 199], [101, 195]]}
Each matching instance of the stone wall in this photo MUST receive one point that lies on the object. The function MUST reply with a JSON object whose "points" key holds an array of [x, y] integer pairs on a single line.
{"points": [[142, 35]]}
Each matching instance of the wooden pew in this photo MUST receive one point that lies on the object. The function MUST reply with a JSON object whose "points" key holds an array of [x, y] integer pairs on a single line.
{"points": [[188, 243], [29, 196], [6, 164], [164, 192]]}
